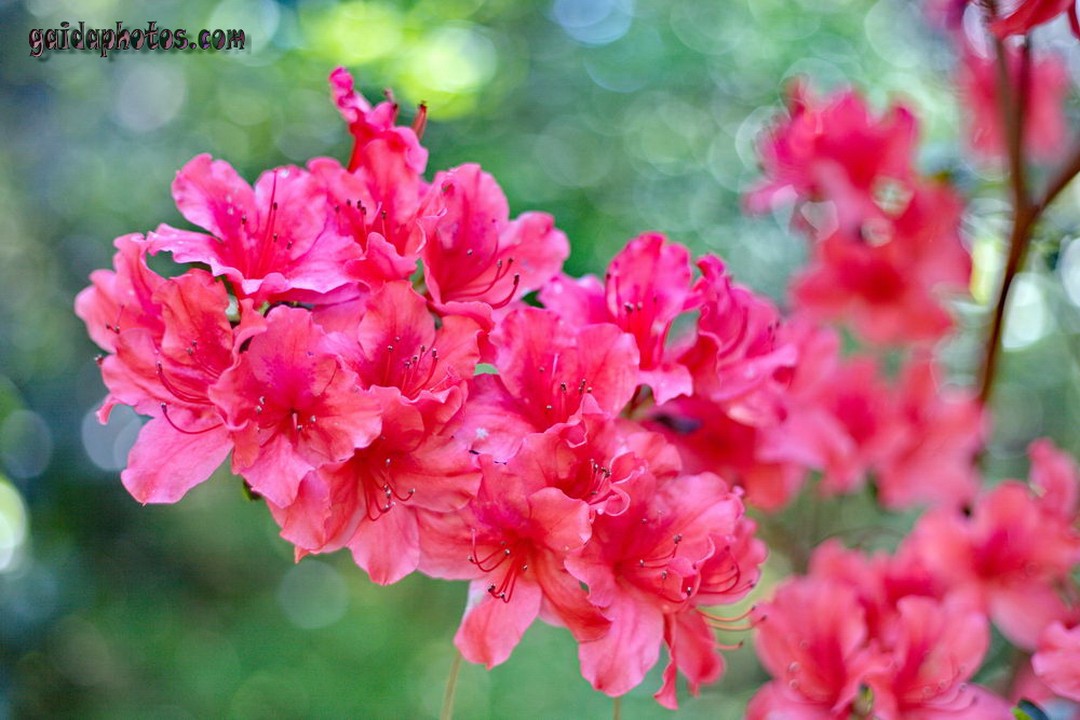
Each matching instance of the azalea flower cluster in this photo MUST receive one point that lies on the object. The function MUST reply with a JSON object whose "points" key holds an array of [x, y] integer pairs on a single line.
{"points": [[398, 367], [356, 339], [903, 634], [885, 254]]}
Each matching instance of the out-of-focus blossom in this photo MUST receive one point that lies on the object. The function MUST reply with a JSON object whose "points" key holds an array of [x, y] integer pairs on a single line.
{"points": [[886, 281], [837, 150], [1057, 660], [860, 637], [1012, 556], [1043, 113]]}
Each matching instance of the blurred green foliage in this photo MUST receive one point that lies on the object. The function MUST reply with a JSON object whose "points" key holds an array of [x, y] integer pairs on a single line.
{"points": [[616, 116]]}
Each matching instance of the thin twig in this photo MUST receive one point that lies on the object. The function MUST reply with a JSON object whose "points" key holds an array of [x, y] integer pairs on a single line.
{"points": [[451, 688], [1011, 110]]}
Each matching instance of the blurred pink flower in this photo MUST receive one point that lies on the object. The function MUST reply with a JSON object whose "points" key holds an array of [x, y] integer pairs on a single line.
{"points": [[1057, 659], [1044, 113], [1011, 556]]}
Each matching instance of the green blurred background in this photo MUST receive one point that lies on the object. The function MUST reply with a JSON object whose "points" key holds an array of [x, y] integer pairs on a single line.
{"points": [[616, 116]]}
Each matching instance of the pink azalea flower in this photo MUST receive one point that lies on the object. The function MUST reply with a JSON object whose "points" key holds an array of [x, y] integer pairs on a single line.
{"points": [[548, 371], [374, 130], [121, 298], [377, 199], [834, 424], [588, 459], [646, 286], [1056, 479], [871, 636], [1020, 16], [830, 419], [736, 358], [936, 647], [169, 378], [1057, 659], [171, 341], [934, 433], [380, 212], [370, 502], [397, 346], [886, 284], [812, 638], [835, 150], [1045, 127], [646, 567], [836, 411], [476, 260], [1011, 556], [268, 241], [292, 406], [512, 541]]}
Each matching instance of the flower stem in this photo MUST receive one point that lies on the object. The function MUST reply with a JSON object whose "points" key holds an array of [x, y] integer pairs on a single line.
{"points": [[447, 712], [1019, 241], [616, 708], [1012, 102]]}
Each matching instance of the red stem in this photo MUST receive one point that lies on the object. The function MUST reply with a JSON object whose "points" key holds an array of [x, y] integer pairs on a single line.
{"points": [[1026, 212]]}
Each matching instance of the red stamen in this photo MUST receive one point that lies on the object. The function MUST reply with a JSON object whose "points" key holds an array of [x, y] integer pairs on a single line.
{"points": [[177, 428]]}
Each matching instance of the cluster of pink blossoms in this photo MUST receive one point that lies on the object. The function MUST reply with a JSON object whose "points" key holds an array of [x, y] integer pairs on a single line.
{"points": [[885, 253], [431, 419], [397, 367], [904, 634], [901, 636]]}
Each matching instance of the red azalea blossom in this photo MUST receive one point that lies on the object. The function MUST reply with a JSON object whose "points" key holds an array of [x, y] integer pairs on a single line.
{"points": [[292, 407], [511, 541], [645, 568], [374, 128], [370, 502], [121, 298], [1044, 130], [270, 241], [812, 639], [849, 639], [171, 341], [382, 216], [548, 371], [1057, 660], [933, 434], [887, 285], [398, 346], [476, 260], [1013, 554], [835, 150], [646, 286], [736, 358], [377, 199]]}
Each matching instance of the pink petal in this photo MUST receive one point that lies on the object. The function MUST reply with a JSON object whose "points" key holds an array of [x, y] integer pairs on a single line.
{"points": [[492, 628], [165, 462]]}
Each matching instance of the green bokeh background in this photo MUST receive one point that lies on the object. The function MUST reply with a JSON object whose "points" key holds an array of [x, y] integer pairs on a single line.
{"points": [[615, 116]]}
